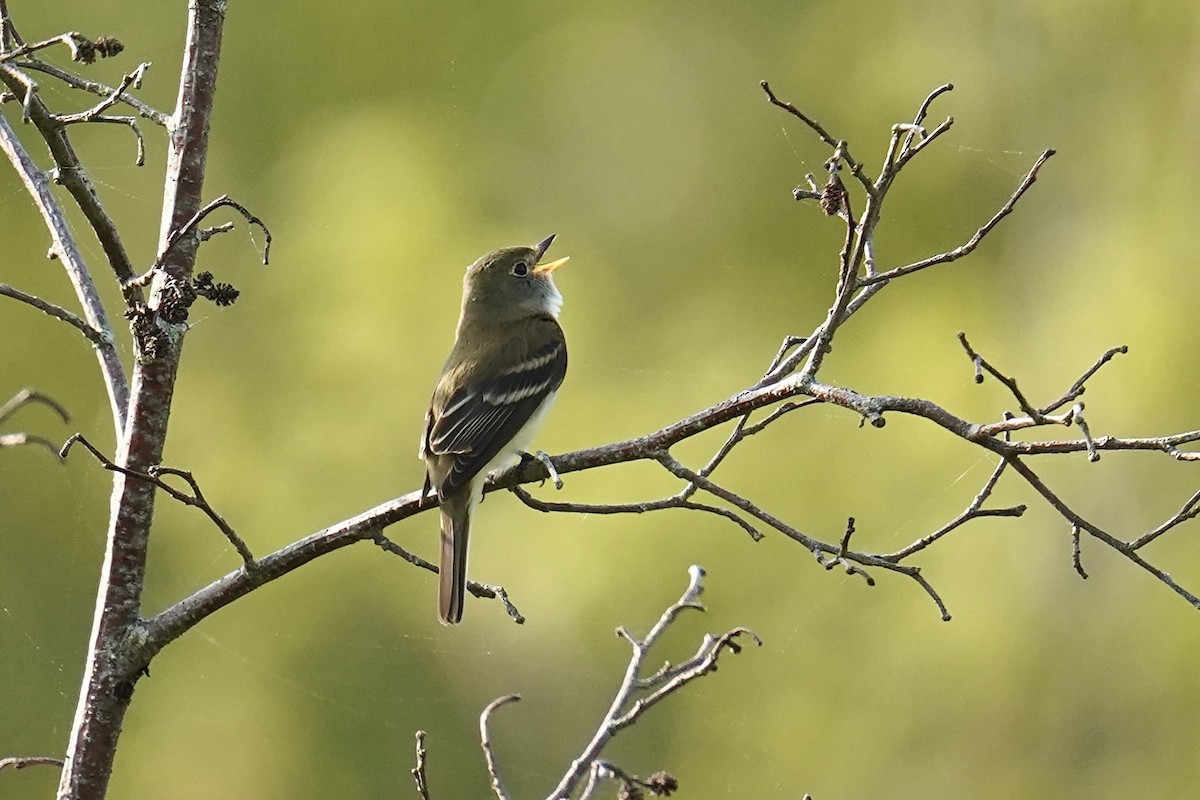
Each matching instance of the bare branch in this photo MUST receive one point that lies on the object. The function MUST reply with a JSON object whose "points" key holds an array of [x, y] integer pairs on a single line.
{"points": [[82, 49], [111, 99], [975, 240], [1190, 510], [855, 168], [94, 87], [418, 772], [974, 510], [659, 784], [781, 391], [680, 500], [139, 156], [21, 439], [775, 415], [9, 38], [480, 590], [627, 707], [907, 153], [788, 343], [27, 397], [1077, 553], [71, 174], [192, 229], [840, 554], [1010, 383], [66, 249], [838, 558], [1077, 388], [1079, 523], [111, 659], [919, 119], [21, 762], [97, 337], [485, 741], [152, 476]]}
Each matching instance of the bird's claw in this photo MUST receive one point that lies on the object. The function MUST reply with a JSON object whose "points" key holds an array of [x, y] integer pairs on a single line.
{"points": [[543, 457]]}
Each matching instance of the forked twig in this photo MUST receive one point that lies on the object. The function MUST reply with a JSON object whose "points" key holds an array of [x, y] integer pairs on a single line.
{"points": [[153, 476], [855, 167], [480, 590], [636, 694], [95, 87], [192, 229], [969, 246]]}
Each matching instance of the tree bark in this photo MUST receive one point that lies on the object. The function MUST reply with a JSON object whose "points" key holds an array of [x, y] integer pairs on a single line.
{"points": [[113, 664]]}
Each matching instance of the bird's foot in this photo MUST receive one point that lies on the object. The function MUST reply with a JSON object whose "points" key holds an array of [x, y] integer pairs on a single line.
{"points": [[543, 457]]}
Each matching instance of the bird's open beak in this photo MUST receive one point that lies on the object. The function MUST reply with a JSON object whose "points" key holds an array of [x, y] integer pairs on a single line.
{"points": [[547, 268], [540, 248]]}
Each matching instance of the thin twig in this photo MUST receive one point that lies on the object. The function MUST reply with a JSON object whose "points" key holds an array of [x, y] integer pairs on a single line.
{"points": [[660, 784], [9, 38], [926, 139], [1077, 552], [418, 771], [637, 694], [96, 337], [485, 742], [139, 156], [788, 343], [481, 590], [680, 500], [70, 173], [21, 762], [111, 99], [838, 558], [776, 414], [73, 40], [976, 238], [810, 543], [919, 119], [1077, 416], [20, 439], [1077, 388], [67, 251], [152, 476], [94, 87], [27, 397], [1099, 533], [192, 228], [855, 168], [1010, 383], [974, 510], [1189, 511]]}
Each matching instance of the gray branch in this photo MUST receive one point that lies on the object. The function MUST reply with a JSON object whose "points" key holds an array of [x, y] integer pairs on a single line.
{"points": [[67, 251]]}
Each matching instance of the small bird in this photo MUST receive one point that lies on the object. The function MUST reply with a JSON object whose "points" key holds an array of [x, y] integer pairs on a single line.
{"points": [[508, 360]]}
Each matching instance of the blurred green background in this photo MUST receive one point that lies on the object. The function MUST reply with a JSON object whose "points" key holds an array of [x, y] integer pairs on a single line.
{"points": [[388, 145]]}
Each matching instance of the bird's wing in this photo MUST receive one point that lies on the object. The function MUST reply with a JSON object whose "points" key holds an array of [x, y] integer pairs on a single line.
{"points": [[476, 422]]}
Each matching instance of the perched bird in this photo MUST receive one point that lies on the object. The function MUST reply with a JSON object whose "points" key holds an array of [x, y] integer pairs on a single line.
{"points": [[508, 360]]}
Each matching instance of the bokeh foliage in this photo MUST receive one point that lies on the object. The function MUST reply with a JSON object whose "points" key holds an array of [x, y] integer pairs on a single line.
{"points": [[387, 146]]}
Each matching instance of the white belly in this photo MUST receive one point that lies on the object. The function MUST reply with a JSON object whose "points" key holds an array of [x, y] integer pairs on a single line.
{"points": [[510, 456]]}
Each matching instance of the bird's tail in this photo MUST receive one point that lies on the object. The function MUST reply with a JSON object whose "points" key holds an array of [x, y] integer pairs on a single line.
{"points": [[452, 573]]}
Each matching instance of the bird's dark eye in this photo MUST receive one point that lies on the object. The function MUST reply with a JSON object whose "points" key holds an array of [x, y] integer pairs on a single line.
{"points": [[520, 269]]}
